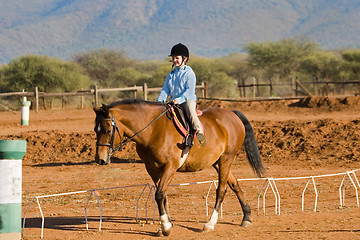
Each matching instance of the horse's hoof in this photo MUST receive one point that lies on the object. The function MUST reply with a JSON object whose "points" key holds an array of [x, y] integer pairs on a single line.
{"points": [[208, 228], [166, 233], [246, 224], [166, 229]]}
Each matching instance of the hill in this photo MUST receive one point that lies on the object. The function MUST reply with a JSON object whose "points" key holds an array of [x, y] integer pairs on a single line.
{"points": [[146, 29]]}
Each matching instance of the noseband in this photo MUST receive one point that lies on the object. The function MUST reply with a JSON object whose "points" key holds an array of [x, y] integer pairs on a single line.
{"points": [[113, 149]]}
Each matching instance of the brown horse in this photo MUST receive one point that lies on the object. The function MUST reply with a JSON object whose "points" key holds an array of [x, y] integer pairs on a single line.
{"points": [[159, 145]]}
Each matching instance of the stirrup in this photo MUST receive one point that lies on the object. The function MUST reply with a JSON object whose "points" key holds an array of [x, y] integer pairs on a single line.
{"points": [[189, 140]]}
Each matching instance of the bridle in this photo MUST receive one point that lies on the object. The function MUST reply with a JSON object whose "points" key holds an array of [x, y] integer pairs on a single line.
{"points": [[111, 143], [115, 129]]}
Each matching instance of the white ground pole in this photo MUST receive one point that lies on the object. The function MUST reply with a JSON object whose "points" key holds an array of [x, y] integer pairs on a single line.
{"points": [[269, 182], [42, 215], [91, 192], [349, 175], [150, 194], [206, 200], [343, 184], [100, 207]]}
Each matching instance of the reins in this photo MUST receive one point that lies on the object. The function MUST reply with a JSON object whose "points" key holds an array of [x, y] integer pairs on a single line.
{"points": [[112, 150]]}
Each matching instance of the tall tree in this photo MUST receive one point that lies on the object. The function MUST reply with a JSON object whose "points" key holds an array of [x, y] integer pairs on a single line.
{"points": [[281, 58]]}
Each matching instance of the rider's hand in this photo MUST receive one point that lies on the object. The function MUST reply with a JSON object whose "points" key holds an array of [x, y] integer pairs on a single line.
{"points": [[175, 101]]}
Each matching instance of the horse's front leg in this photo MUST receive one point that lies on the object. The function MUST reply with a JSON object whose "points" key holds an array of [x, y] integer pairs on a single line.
{"points": [[160, 198], [223, 172]]}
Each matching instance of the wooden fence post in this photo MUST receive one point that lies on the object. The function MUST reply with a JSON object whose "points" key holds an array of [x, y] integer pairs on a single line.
{"points": [[202, 89], [240, 88], [299, 84], [326, 86], [96, 93], [36, 99], [253, 87], [206, 89], [135, 92], [82, 100], [271, 87], [244, 88], [293, 87], [145, 89]]}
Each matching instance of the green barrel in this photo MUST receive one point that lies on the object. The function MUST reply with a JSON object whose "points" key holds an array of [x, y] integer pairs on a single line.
{"points": [[11, 154]]}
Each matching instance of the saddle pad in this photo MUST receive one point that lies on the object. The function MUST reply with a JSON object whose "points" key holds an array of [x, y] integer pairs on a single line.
{"points": [[179, 125]]}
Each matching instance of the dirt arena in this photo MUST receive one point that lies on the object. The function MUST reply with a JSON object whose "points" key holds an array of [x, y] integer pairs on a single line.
{"points": [[311, 137]]}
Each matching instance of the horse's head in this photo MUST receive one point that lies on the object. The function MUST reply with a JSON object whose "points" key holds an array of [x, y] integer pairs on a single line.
{"points": [[108, 135]]}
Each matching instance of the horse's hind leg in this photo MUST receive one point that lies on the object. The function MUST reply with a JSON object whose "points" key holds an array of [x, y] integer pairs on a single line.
{"points": [[234, 185]]}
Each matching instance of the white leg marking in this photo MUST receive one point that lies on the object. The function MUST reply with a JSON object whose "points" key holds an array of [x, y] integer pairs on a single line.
{"points": [[210, 225], [165, 223]]}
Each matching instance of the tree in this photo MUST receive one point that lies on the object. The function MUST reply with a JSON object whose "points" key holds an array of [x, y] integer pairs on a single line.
{"points": [[281, 58], [216, 73], [321, 65], [48, 74], [102, 64], [240, 70], [156, 70], [129, 76], [352, 63]]}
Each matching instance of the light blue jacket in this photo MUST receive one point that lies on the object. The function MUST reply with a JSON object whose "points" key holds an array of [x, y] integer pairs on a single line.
{"points": [[180, 84]]}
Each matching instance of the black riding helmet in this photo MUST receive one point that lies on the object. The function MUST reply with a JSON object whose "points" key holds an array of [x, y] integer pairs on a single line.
{"points": [[179, 50]]}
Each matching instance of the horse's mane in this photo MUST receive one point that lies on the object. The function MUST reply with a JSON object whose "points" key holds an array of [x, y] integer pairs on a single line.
{"points": [[132, 101]]}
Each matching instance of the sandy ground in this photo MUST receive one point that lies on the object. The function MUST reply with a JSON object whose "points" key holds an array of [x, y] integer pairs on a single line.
{"points": [[316, 136]]}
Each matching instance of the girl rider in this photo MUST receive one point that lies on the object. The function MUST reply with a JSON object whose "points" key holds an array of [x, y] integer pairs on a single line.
{"points": [[180, 86]]}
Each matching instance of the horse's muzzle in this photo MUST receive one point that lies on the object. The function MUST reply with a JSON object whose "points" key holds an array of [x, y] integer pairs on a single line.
{"points": [[102, 161]]}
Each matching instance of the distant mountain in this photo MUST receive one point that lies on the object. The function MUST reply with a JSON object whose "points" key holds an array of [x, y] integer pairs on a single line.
{"points": [[146, 29]]}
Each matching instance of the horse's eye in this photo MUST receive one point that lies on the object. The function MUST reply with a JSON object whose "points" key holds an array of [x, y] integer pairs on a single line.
{"points": [[108, 131]]}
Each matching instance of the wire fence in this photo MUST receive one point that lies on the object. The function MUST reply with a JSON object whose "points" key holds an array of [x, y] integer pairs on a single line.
{"points": [[295, 88]]}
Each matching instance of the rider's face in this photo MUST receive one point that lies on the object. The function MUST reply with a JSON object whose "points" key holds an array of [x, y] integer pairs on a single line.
{"points": [[178, 61]]}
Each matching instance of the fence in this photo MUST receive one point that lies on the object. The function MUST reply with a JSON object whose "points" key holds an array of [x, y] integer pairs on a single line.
{"points": [[258, 91], [95, 92], [296, 88]]}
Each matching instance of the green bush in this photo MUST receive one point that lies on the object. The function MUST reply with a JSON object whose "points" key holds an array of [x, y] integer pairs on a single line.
{"points": [[48, 74]]}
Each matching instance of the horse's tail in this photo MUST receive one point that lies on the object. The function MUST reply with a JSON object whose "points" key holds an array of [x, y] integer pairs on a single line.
{"points": [[251, 146]]}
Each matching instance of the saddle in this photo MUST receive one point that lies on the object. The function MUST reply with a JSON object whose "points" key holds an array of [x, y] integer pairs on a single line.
{"points": [[183, 124]]}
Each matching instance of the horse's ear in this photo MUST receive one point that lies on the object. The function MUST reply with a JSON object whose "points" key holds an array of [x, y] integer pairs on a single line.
{"points": [[95, 108], [105, 109]]}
